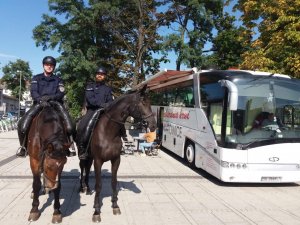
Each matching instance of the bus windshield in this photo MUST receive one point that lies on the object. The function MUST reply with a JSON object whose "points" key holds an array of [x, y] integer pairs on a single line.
{"points": [[268, 112]]}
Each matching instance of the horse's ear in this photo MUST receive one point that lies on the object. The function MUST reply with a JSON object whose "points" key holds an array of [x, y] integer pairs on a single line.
{"points": [[143, 90]]}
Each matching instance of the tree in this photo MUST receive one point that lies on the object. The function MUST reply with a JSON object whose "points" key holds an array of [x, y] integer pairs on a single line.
{"points": [[277, 48], [119, 35], [13, 73], [135, 25], [230, 43], [192, 22]]}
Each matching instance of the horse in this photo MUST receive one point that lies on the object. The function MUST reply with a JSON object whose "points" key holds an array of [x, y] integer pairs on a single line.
{"points": [[106, 143], [48, 145]]}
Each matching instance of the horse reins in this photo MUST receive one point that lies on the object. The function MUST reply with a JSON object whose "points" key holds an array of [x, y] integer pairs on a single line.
{"points": [[119, 122]]}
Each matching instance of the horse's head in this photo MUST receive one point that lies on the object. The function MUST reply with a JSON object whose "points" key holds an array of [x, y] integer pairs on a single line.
{"points": [[142, 109], [55, 157]]}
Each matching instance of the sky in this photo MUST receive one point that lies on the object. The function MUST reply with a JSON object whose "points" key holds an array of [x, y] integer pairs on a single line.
{"points": [[17, 20]]}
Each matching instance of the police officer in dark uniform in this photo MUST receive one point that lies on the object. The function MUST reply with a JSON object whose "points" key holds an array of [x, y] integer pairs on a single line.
{"points": [[46, 88], [97, 96]]}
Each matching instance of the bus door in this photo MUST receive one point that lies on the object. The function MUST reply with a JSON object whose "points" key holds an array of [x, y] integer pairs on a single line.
{"points": [[160, 116]]}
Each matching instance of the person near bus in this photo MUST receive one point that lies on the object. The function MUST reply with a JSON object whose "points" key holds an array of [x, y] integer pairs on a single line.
{"points": [[149, 138], [46, 88]]}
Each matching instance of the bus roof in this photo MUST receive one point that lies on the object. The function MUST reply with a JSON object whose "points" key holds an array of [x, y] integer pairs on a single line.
{"points": [[163, 77]]}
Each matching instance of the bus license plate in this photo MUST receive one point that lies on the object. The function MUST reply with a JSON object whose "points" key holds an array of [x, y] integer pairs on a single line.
{"points": [[270, 179]]}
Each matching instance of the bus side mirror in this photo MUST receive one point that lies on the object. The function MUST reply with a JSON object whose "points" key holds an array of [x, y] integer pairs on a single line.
{"points": [[232, 95]]}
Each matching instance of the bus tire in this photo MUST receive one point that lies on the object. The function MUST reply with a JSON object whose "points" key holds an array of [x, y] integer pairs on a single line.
{"points": [[189, 154]]}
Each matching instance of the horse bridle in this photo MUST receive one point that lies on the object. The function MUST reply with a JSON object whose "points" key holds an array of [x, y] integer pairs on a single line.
{"points": [[44, 154], [120, 122]]}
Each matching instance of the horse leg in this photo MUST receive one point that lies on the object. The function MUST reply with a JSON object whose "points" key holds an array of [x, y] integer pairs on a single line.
{"points": [[85, 167], [87, 177], [36, 186], [82, 165], [97, 166], [57, 217], [114, 199]]}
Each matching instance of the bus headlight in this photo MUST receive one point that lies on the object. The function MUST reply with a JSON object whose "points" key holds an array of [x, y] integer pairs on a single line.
{"points": [[225, 164], [233, 165]]}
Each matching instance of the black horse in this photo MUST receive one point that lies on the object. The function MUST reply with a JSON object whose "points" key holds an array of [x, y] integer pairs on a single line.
{"points": [[106, 143], [47, 148]]}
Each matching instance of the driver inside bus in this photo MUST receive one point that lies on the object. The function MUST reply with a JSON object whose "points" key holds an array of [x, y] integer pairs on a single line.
{"points": [[270, 120]]}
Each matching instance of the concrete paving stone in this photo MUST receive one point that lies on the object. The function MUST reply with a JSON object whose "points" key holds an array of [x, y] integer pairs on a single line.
{"points": [[257, 216], [205, 218], [152, 187], [283, 216], [173, 187], [229, 217], [159, 198]]}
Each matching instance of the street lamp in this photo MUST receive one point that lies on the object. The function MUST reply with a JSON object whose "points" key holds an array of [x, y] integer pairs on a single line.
{"points": [[19, 111]]}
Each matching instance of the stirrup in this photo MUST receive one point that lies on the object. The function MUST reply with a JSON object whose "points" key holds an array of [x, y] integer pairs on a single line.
{"points": [[21, 152], [71, 153]]}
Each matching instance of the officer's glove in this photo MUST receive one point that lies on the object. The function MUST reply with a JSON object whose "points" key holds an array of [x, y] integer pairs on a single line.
{"points": [[44, 103], [45, 98], [104, 105]]}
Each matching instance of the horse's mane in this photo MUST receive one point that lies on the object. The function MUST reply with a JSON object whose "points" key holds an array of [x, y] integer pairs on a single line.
{"points": [[118, 100], [51, 115]]}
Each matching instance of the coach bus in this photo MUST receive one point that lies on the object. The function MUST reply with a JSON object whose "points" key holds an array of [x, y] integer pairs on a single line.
{"points": [[239, 126]]}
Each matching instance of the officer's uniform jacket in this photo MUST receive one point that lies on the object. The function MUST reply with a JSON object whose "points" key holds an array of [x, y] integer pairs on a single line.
{"points": [[97, 94], [50, 86]]}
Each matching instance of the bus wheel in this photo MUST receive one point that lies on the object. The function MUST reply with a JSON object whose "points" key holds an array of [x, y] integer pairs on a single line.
{"points": [[190, 154]]}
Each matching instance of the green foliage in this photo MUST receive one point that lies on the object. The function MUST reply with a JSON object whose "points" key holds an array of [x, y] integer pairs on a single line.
{"points": [[13, 73], [230, 43], [192, 22], [277, 49]]}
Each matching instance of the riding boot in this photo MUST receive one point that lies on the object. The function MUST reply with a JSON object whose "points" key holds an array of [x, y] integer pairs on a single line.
{"points": [[85, 128], [22, 150], [23, 127]]}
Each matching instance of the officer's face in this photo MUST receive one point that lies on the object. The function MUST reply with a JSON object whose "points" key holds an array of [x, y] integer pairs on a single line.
{"points": [[100, 77], [48, 68]]}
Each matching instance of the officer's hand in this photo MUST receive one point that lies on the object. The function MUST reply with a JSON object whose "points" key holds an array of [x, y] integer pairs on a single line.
{"points": [[45, 98], [44, 103]]}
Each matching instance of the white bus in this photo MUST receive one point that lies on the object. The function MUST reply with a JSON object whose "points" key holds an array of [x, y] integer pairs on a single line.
{"points": [[218, 121]]}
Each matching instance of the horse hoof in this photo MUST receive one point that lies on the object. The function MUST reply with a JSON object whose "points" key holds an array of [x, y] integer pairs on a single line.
{"points": [[116, 211], [57, 218], [34, 216], [96, 218]]}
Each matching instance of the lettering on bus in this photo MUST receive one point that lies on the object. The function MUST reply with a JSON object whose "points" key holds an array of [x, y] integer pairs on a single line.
{"points": [[173, 130], [176, 115]]}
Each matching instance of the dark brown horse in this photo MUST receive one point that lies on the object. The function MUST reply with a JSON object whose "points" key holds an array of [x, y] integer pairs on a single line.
{"points": [[47, 148], [106, 143]]}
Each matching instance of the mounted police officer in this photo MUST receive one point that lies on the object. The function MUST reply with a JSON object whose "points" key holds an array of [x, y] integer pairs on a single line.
{"points": [[46, 88], [97, 96]]}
